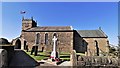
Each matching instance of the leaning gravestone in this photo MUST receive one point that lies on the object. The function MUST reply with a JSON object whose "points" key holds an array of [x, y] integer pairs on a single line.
{"points": [[115, 61], [109, 60], [98, 60], [3, 58], [80, 58]]}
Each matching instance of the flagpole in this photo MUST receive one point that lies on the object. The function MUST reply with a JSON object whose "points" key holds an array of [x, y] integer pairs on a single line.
{"points": [[23, 14]]}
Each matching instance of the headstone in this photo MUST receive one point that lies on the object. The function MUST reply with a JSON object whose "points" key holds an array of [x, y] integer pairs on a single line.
{"points": [[109, 60], [54, 54], [80, 58], [33, 49], [80, 63], [114, 61], [42, 49], [92, 60], [104, 61], [87, 61], [36, 50], [27, 48], [99, 60]]}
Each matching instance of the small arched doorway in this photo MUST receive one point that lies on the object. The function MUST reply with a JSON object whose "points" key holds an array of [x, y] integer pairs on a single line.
{"points": [[18, 44]]}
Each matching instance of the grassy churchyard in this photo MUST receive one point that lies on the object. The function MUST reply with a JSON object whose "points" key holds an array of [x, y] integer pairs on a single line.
{"points": [[44, 55]]}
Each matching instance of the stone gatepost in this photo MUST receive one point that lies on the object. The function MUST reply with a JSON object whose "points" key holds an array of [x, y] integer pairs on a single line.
{"points": [[22, 44], [73, 59], [3, 58]]}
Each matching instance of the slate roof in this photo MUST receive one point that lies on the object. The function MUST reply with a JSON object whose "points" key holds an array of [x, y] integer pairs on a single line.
{"points": [[91, 33], [50, 28]]}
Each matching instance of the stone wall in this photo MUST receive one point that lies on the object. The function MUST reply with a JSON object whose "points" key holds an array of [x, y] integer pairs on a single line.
{"points": [[91, 61], [102, 44], [97, 61], [64, 42]]}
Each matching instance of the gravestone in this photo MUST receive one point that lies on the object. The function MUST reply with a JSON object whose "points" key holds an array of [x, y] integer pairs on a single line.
{"points": [[35, 47], [36, 50], [109, 60], [105, 61], [80, 58], [115, 61], [99, 60]]}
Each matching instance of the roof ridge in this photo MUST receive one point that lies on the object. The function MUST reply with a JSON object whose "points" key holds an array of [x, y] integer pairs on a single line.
{"points": [[103, 33], [53, 26], [86, 30]]}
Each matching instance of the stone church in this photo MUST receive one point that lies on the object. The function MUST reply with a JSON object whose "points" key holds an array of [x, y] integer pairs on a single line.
{"points": [[90, 42]]}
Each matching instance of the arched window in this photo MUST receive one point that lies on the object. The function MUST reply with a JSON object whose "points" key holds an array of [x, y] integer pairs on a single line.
{"points": [[97, 48], [96, 43], [37, 38], [55, 35], [46, 38]]}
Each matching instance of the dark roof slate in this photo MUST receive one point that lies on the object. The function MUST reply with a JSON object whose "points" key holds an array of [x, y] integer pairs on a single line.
{"points": [[50, 28], [91, 33]]}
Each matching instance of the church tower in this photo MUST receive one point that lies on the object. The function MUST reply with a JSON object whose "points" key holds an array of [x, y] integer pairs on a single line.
{"points": [[28, 23]]}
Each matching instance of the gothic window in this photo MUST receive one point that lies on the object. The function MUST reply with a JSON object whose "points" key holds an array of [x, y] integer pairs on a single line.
{"points": [[96, 43], [97, 48], [46, 38], [55, 35], [37, 38]]}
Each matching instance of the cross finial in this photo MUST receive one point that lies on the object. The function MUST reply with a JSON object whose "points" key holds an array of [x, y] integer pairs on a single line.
{"points": [[54, 38]]}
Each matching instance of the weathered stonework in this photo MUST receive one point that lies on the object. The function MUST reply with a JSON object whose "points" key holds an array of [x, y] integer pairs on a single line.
{"points": [[63, 42], [68, 39], [91, 47]]}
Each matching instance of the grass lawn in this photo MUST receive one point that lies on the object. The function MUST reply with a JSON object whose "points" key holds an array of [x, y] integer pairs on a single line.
{"points": [[82, 54], [43, 55], [40, 56]]}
